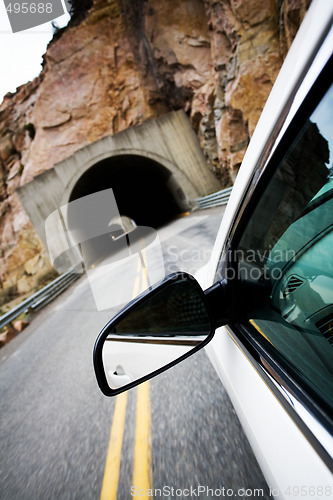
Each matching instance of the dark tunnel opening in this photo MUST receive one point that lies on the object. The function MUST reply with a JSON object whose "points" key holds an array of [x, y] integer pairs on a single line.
{"points": [[144, 190]]}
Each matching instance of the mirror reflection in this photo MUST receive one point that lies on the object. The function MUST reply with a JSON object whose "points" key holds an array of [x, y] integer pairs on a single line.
{"points": [[167, 324]]}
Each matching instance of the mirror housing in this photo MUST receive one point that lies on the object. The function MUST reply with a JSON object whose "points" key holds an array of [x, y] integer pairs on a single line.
{"points": [[161, 327]]}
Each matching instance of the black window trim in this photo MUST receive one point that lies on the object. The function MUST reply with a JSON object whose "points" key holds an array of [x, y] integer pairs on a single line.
{"points": [[255, 351], [267, 165]]}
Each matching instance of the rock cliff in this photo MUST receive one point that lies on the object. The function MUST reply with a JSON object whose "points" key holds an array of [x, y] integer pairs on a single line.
{"points": [[121, 62]]}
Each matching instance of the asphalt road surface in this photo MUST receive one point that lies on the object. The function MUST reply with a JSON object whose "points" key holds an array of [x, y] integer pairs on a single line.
{"points": [[55, 424]]}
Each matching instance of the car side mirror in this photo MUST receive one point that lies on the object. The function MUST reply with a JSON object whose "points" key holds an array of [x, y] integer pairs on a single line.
{"points": [[160, 328]]}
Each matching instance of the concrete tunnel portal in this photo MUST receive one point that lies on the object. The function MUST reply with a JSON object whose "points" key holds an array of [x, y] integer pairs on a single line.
{"points": [[144, 190], [156, 170]]}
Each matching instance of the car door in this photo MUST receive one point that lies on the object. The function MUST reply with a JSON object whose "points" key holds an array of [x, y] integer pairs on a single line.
{"points": [[276, 356]]}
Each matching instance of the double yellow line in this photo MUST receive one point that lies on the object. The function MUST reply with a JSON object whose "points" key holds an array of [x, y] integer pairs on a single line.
{"points": [[112, 465], [142, 471]]}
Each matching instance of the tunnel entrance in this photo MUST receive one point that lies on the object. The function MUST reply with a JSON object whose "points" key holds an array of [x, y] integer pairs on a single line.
{"points": [[149, 167], [144, 190]]}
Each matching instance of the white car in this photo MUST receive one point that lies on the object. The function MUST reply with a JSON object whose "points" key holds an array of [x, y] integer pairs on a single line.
{"points": [[266, 315]]}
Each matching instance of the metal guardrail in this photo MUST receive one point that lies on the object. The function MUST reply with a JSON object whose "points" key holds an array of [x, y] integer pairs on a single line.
{"points": [[40, 298], [215, 199]]}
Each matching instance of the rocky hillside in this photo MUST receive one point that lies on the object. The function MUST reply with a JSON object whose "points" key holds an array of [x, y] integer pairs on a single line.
{"points": [[120, 62]]}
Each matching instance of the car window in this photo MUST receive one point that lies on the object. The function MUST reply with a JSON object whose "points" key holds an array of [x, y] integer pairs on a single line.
{"points": [[288, 245]]}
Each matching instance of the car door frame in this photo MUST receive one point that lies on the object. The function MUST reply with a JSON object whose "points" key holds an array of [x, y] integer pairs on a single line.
{"points": [[304, 413]]}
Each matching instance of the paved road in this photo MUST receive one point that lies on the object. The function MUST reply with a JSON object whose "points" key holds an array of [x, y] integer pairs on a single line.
{"points": [[55, 423]]}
